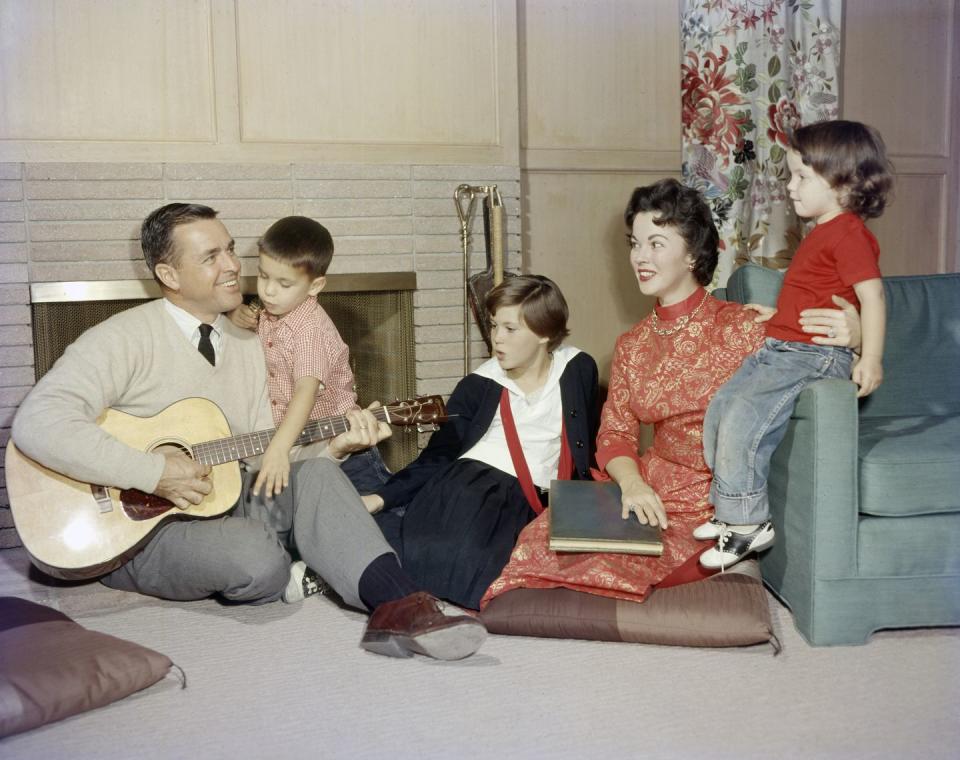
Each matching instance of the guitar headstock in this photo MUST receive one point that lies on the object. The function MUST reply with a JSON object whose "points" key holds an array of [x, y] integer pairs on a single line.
{"points": [[423, 411]]}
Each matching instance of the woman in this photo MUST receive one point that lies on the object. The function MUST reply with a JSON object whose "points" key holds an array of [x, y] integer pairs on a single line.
{"points": [[454, 514], [664, 372]]}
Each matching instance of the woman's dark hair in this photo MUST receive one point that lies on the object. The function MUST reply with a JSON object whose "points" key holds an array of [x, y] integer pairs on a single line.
{"points": [[156, 232], [299, 242], [852, 158], [542, 305], [684, 209]]}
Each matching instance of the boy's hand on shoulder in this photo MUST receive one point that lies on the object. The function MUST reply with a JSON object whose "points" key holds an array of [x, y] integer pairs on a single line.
{"points": [[867, 374], [274, 473], [244, 316]]}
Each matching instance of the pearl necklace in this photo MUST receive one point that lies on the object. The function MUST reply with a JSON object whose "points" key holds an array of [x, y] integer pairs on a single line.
{"points": [[682, 322]]}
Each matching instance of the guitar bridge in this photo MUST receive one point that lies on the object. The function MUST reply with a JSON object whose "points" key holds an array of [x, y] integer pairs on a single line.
{"points": [[102, 497]]}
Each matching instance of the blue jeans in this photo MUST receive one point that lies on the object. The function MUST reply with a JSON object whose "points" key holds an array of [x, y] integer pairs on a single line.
{"points": [[366, 470], [747, 419]]}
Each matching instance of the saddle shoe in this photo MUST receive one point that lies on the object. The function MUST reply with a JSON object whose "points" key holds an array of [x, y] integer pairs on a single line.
{"points": [[304, 582], [708, 531], [732, 545], [422, 624]]}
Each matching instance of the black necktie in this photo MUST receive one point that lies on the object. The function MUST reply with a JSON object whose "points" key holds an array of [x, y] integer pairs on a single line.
{"points": [[205, 347]]}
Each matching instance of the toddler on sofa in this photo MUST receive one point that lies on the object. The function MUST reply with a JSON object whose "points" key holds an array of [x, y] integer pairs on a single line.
{"points": [[839, 176]]}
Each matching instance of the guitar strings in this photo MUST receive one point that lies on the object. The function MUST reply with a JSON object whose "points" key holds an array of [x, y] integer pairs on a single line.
{"points": [[252, 444]]}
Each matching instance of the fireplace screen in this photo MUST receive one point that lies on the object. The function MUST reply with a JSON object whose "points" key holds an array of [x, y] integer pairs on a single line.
{"points": [[374, 314]]}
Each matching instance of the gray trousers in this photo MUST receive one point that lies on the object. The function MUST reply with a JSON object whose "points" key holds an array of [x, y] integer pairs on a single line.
{"points": [[244, 556]]}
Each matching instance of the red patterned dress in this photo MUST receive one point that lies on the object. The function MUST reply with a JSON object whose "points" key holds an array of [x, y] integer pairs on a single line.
{"points": [[666, 381]]}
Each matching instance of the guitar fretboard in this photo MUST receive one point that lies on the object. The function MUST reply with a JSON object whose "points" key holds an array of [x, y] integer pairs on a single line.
{"points": [[253, 444]]}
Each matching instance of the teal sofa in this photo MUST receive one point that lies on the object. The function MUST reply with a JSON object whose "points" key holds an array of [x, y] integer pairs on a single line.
{"points": [[865, 495]]}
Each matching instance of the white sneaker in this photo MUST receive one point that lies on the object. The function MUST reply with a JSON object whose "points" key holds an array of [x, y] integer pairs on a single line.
{"points": [[303, 582], [708, 531], [733, 546]]}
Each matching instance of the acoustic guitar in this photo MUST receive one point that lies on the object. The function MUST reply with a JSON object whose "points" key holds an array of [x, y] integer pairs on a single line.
{"points": [[76, 530]]}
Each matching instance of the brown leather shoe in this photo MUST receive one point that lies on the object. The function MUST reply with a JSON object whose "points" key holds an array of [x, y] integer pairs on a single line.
{"points": [[423, 624]]}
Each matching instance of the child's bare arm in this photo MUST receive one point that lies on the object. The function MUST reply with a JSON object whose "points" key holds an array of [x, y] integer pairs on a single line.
{"points": [[868, 371], [244, 316], [275, 471]]}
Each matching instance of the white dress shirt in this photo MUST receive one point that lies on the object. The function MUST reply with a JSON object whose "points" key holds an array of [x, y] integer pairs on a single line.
{"points": [[190, 326]]}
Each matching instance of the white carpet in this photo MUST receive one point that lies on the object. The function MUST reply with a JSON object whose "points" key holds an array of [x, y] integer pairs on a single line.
{"points": [[275, 681]]}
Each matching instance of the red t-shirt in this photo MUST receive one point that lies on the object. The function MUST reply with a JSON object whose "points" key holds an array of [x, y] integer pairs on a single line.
{"points": [[830, 261]]}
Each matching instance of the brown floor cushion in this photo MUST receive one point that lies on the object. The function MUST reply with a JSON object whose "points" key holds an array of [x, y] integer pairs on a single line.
{"points": [[725, 610], [52, 667]]}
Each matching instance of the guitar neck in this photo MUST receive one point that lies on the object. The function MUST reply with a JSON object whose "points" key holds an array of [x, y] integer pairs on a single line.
{"points": [[253, 444]]}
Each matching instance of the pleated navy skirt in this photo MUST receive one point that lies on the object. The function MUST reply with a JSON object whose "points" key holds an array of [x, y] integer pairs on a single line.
{"points": [[456, 535]]}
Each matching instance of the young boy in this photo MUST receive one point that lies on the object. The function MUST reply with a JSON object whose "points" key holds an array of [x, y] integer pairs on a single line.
{"points": [[308, 367], [839, 177]]}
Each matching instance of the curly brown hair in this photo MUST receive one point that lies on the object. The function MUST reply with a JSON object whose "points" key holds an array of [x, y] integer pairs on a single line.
{"points": [[684, 209], [852, 158]]}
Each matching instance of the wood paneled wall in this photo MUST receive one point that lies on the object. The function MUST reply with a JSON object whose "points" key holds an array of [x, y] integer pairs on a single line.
{"points": [[600, 114], [901, 73], [383, 81], [600, 98]]}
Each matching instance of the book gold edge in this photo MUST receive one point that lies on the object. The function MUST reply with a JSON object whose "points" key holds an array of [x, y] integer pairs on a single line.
{"points": [[569, 545]]}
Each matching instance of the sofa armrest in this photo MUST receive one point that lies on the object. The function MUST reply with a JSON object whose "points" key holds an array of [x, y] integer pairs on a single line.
{"points": [[813, 485]]}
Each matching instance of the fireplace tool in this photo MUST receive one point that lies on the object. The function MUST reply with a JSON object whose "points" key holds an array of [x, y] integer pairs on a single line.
{"points": [[476, 287]]}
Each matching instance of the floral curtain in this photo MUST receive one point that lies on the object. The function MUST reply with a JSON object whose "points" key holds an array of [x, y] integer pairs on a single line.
{"points": [[753, 69]]}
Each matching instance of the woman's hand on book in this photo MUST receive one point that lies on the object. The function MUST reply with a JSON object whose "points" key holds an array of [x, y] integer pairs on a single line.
{"points": [[643, 501]]}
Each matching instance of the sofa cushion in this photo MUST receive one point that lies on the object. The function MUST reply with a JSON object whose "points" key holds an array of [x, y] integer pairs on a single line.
{"points": [[51, 667], [921, 546], [909, 465], [921, 360]]}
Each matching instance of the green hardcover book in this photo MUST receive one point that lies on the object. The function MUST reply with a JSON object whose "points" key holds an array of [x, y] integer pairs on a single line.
{"points": [[585, 517]]}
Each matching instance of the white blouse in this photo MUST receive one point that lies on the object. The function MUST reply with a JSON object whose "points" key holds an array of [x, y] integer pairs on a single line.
{"points": [[538, 417]]}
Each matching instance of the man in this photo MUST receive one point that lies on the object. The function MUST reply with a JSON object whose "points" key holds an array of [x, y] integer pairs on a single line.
{"points": [[180, 346]]}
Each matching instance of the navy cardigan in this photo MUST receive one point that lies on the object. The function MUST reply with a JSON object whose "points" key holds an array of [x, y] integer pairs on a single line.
{"points": [[472, 407]]}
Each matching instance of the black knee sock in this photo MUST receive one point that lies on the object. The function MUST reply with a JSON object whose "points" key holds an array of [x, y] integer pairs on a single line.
{"points": [[385, 581]]}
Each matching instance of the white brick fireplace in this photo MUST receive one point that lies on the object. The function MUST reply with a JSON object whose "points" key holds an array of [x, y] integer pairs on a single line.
{"points": [[80, 222]]}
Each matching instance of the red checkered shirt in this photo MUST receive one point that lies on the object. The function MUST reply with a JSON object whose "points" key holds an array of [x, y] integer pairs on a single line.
{"points": [[305, 343]]}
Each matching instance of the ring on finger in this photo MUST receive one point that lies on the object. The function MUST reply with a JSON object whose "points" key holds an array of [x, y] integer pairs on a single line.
{"points": [[831, 333]]}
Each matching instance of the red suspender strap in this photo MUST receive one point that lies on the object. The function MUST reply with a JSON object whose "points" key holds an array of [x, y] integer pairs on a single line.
{"points": [[565, 466], [516, 453]]}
